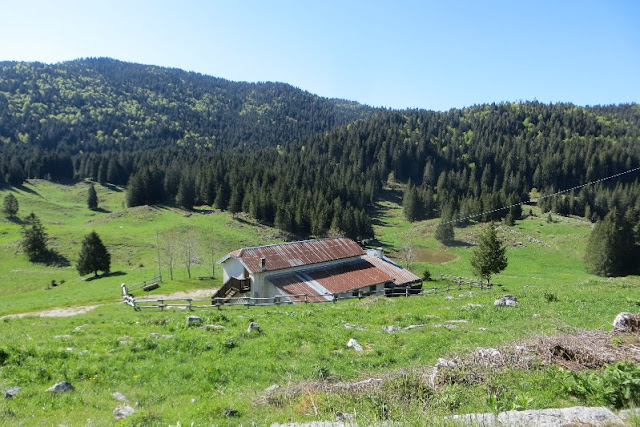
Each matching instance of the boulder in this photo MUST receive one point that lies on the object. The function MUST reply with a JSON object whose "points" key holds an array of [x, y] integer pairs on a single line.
{"points": [[11, 392], [577, 415], [123, 411], [506, 301], [62, 386], [120, 397], [410, 327], [391, 329], [354, 345], [627, 322], [194, 321], [253, 326]]}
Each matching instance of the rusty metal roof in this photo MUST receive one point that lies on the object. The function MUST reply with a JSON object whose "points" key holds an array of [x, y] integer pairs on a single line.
{"points": [[343, 277], [400, 275], [306, 252]]}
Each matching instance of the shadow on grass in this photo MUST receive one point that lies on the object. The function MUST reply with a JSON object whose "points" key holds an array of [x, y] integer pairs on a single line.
{"points": [[51, 258], [109, 274], [113, 188], [101, 210]]}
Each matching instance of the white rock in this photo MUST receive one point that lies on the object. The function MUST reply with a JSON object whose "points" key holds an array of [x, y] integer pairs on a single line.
{"points": [[62, 386], [627, 322], [577, 415], [120, 397], [123, 411], [410, 327], [506, 301], [446, 362], [391, 329], [253, 326], [354, 344]]}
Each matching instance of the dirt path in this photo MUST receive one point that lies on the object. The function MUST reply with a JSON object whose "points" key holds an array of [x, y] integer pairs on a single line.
{"points": [[75, 311]]}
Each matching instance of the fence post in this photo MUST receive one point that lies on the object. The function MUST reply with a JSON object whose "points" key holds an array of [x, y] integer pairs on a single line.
{"points": [[459, 283], [335, 298], [161, 301]]}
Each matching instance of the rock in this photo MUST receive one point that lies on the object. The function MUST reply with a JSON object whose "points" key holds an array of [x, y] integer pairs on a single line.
{"points": [[272, 388], [466, 294], [253, 326], [482, 329], [535, 315], [471, 306], [194, 321], [446, 363], [577, 415], [354, 344], [410, 327], [506, 301], [120, 397], [448, 297], [484, 419], [154, 334], [456, 321], [167, 336], [62, 386], [11, 392], [83, 352], [230, 412], [487, 353], [62, 337], [214, 328], [391, 329], [123, 411], [627, 322], [353, 326]]}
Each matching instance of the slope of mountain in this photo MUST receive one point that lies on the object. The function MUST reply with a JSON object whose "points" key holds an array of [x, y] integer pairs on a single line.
{"points": [[98, 104]]}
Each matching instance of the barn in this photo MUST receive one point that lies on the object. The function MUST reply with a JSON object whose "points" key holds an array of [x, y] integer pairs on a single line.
{"points": [[313, 270]]}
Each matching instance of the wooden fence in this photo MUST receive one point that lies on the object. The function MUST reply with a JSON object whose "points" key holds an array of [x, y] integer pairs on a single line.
{"points": [[454, 284]]}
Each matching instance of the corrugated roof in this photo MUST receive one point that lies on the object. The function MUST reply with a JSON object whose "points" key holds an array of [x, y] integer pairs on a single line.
{"points": [[306, 252], [400, 275], [340, 278]]}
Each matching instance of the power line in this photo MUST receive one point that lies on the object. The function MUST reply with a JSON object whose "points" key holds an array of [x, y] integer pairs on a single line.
{"points": [[535, 199]]}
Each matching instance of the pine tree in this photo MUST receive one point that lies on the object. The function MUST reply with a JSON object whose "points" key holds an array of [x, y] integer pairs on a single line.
{"points": [[34, 239], [411, 204], [445, 233], [93, 256], [186, 193], [489, 258], [10, 206], [92, 198]]}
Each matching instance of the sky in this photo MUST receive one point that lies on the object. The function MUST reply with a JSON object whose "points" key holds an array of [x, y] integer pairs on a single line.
{"points": [[401, 54]]}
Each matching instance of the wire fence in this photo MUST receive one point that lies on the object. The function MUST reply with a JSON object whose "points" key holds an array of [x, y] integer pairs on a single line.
{"points": [[453, 284]]}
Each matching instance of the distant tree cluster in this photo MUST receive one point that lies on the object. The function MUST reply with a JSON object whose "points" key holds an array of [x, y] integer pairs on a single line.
{"points": [[308, 165]]}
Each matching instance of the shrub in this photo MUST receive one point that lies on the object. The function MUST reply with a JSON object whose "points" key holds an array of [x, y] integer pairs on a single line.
{"points": [[617, 386]]}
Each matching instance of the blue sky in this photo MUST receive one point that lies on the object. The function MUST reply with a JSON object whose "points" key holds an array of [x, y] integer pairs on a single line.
{"points": [[401, 54]]}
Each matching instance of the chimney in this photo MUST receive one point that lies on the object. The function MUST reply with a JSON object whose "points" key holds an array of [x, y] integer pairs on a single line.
{"points": [[379, 252], [263, 264]]}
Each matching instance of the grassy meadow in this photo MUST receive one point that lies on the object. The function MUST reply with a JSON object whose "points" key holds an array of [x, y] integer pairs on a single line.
{"points": [[175, 374]]}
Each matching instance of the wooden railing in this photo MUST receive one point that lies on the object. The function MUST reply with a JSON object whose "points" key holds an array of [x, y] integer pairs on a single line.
{"points": [[453, 284]]}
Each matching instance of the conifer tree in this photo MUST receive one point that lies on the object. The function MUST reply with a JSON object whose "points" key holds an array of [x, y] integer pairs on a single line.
{"points": [[411, 204], [610, 246], [92, 198], [93, 256], [10, 206], [489, 258], [445, 233], [34, 239]]}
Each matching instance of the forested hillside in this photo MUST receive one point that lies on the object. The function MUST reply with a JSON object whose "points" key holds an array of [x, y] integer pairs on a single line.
{"points": [[102, 104], [174, 138]]}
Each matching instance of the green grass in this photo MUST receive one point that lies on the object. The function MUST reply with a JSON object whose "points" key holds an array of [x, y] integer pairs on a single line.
{"points": [[174, 373]]}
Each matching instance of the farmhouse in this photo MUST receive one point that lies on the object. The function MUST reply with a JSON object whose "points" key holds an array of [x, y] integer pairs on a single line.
{"points": [[313, 270]]}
